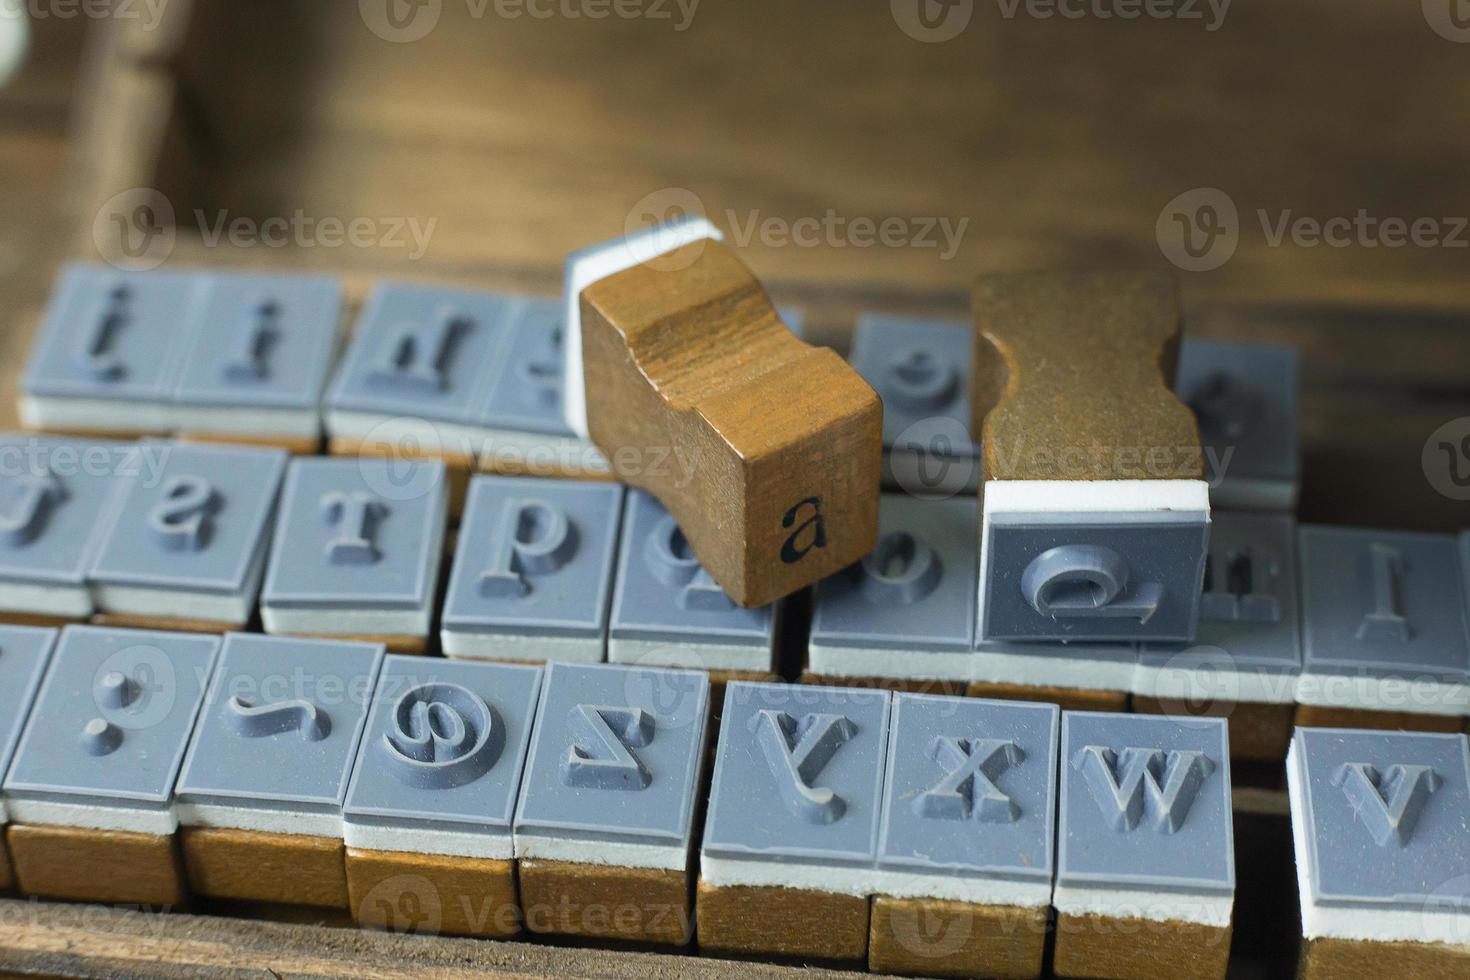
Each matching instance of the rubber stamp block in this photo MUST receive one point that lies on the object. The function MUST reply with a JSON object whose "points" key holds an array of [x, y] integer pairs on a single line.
{"points": [[429, 811], [258, 358], [90, 790], [791, 834], [921, 370], [604, 826], [668, 610], [1146, 860], [1245, 398], [110, 351], [525, 428], [965, 852], [56, 497], [261, 792], [187, 543], [24, 653], [766, 450], [1384, 637], [1094, 513], [1382, 857], [357, 551], [533, 573], [906, 611], [1246, 658]]}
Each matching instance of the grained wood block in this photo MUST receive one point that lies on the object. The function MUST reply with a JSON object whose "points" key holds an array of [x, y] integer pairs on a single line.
{"points": [[646, 905], [777, 443], [909, 685], [295, 445], [107, 866], [1257, 731], [166, 623], [1138, 949], [394, 642], [786, 922], [929, 937], [1073, 379], [7, 874], [1068, 698], [1344, 959], [1317, 716], [433, 894], [261, 867]]}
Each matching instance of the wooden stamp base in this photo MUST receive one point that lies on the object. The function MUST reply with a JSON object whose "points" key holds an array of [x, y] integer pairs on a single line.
{"points": [[1257, 731], [1067, 698], [260, 867], [168, 624], [1315, 716], [108, 866], [433, 894], [36, 619], [929, 937], [908, 685], [7, 874], [1345, 959], [295, 445], [1138, 949], [783, 922], [396, 643], [642, 905]]}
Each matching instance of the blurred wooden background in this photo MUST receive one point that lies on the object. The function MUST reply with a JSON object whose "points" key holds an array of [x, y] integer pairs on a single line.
{"points": [[1057, 141]]}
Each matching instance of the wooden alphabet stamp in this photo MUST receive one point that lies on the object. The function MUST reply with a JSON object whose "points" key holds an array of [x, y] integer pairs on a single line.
{"points": [[766, 450]]}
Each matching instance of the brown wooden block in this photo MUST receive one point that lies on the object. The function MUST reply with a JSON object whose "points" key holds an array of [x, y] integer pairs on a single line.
{"points": [[32, 619], [778, 444], [908, 685], [1081, 362], [295, 445], [1257, 731], [457, 466], [645, 905], [548, 466], [1317, 716], [7, 873], [394, 642], [108, 866], [929, 937], [1139, 949], [767, 920], [1067, 698], [166, 623], [433, 894], [1345, 959], [262, 867]]}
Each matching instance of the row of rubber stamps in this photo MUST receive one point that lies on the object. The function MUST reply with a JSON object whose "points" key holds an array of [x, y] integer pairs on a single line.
{"points": [[478, 378], [920, 834], [1355, 626]]}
